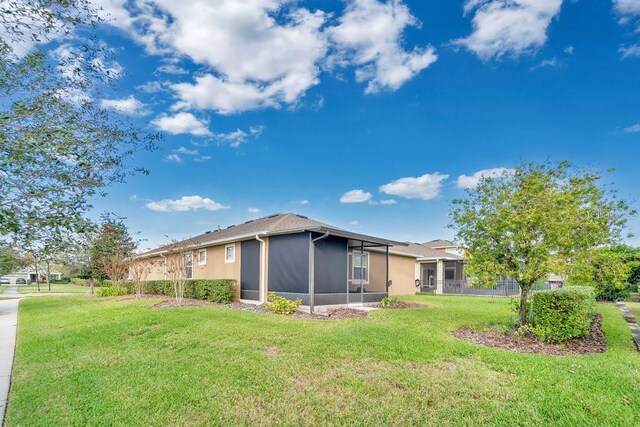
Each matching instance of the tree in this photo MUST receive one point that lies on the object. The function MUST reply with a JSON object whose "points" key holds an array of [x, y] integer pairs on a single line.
{"points": [[139, 269], [11, 259], [540, 219], [58, 147], [179, 266], [111, 251]]}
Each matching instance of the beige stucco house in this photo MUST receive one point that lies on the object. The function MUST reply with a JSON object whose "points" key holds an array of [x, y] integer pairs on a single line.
{"points": [[293, 256]]}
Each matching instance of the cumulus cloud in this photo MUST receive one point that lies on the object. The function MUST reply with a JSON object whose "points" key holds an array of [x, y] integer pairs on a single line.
{"points": [[468, 182], [356, 196], [627, 7], [425, 187], [129, 106], [508, 27], [171, 69], [238, 137], [388, 202], [369, 35], [173, 158], [269, 53], [633, 128], [181, 123], [300, 202], [153, 86], [253, 210], [185, 204]]}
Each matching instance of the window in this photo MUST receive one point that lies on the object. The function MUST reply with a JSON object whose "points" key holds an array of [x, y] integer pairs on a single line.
{"points": [[188, 265], [359, 267], [202, 257], [450, 273], [230, 253]]}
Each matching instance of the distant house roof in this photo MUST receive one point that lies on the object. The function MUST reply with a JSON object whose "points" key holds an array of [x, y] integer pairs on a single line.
{"points": [[422, 252], [439, 244], [280, 223]]}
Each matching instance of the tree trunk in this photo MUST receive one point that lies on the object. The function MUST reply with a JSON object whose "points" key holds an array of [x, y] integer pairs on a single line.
{"points": [[91, 286], [49, 275], [525, 289], [37, 277]]}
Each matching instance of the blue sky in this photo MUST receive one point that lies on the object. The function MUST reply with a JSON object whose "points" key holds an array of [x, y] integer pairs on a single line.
{"points": [[323, 107]]}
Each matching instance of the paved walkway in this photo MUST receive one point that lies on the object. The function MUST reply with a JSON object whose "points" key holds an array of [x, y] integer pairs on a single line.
{"points": [[8, 326], [8, 329]]}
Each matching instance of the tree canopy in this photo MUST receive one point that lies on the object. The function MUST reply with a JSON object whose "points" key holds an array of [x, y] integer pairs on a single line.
{"points": [[536, 220], [58, 147]]}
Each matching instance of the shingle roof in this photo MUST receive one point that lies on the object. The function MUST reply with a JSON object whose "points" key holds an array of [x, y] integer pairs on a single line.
{"points": [[280, 223], [439, 243], [421, 251]]}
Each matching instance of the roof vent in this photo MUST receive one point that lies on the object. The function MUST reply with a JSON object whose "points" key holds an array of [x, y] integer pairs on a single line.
{"points": [[231, 226], [250, 221], [302, 216], [273, 216], [207, 232]]}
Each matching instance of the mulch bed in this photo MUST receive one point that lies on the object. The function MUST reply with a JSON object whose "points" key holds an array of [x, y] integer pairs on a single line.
{"points": [[593, 344], [336, 314], [403, 304]]}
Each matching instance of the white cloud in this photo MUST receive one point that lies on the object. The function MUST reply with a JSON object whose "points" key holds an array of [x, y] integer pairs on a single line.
{"points": [[173, 158], [425, 187], [238, 137], [630, 51], [627, 7], [201, 159], [181, 123], [171, 69], [154, 86], [303, 202], [388, 202], [369, 35], [550, 62], [253, 210], [356, 196], [356, 222], [184, 204], [468, 182], [633, 128], [186, 151], [129, 106], [508, 27]]}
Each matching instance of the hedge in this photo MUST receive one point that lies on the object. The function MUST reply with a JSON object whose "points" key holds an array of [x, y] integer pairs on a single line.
{"points": [[215, 290], [562, 314]]}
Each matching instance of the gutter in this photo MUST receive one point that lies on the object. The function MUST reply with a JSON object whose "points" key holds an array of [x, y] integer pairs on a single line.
{"points": [[312, 264], [262, 294]]}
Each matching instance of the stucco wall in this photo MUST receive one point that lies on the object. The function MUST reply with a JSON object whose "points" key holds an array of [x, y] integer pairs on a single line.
{"points": [[402, 274]]}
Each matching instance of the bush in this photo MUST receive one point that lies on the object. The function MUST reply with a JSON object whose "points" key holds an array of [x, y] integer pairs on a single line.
{"points": [[214, 290], [608, 292], [64, 280], [110, 291], [281, 305], [562, 314]]}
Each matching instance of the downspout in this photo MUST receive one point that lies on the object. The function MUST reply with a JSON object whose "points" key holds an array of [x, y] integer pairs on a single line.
{"points": [[312, 265], [261, 293]]}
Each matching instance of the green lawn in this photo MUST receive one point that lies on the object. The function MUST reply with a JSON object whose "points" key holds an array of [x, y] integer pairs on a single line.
{"points": [[634, 307], [92, 361], [57, 288], [2, 288]]}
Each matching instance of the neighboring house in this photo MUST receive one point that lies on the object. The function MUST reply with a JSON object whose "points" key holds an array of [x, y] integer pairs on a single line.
{"points": [[29, 274], [438, 263], [295, 257]]}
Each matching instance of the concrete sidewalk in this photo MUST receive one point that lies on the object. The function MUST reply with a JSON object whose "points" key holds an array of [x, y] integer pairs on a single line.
{"points": [[8, 327]]}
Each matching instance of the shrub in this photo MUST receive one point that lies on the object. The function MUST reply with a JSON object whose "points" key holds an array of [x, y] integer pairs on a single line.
{"points": [[562, 314], [214, 290], [610, 292], [281, 305], [64, 280], [110, 291]]}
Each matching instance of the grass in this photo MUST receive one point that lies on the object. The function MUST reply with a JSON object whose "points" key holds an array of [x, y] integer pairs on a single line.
{"points": [[55, 288], [92, 361], [634, 308], [2, 288]]}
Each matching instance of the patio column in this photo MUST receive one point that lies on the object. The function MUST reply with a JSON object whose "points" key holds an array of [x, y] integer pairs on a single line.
{"points": [[439, 277]]}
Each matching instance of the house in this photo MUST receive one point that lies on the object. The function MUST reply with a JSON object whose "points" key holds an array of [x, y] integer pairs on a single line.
{"points": [[295, 257], [438, 264], [29, 274]]}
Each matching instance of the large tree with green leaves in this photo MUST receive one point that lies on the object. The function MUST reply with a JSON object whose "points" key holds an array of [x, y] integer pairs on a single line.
{"points": [[11, 259], [536, 220], [58, 147], [111, 251]]}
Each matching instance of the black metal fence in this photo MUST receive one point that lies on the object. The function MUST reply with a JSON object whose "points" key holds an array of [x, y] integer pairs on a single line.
{"points": [[502, 288]]}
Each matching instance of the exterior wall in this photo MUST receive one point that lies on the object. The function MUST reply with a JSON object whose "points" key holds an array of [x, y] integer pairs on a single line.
{"points": [[217, 268], [377, 273], [156, 268], [402, 275]]}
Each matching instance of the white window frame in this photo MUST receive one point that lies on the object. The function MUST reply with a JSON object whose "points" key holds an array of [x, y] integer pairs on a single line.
{"points": [[353, 267], [445, 273], [226, 253], [200, 260], [187, 267]]}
